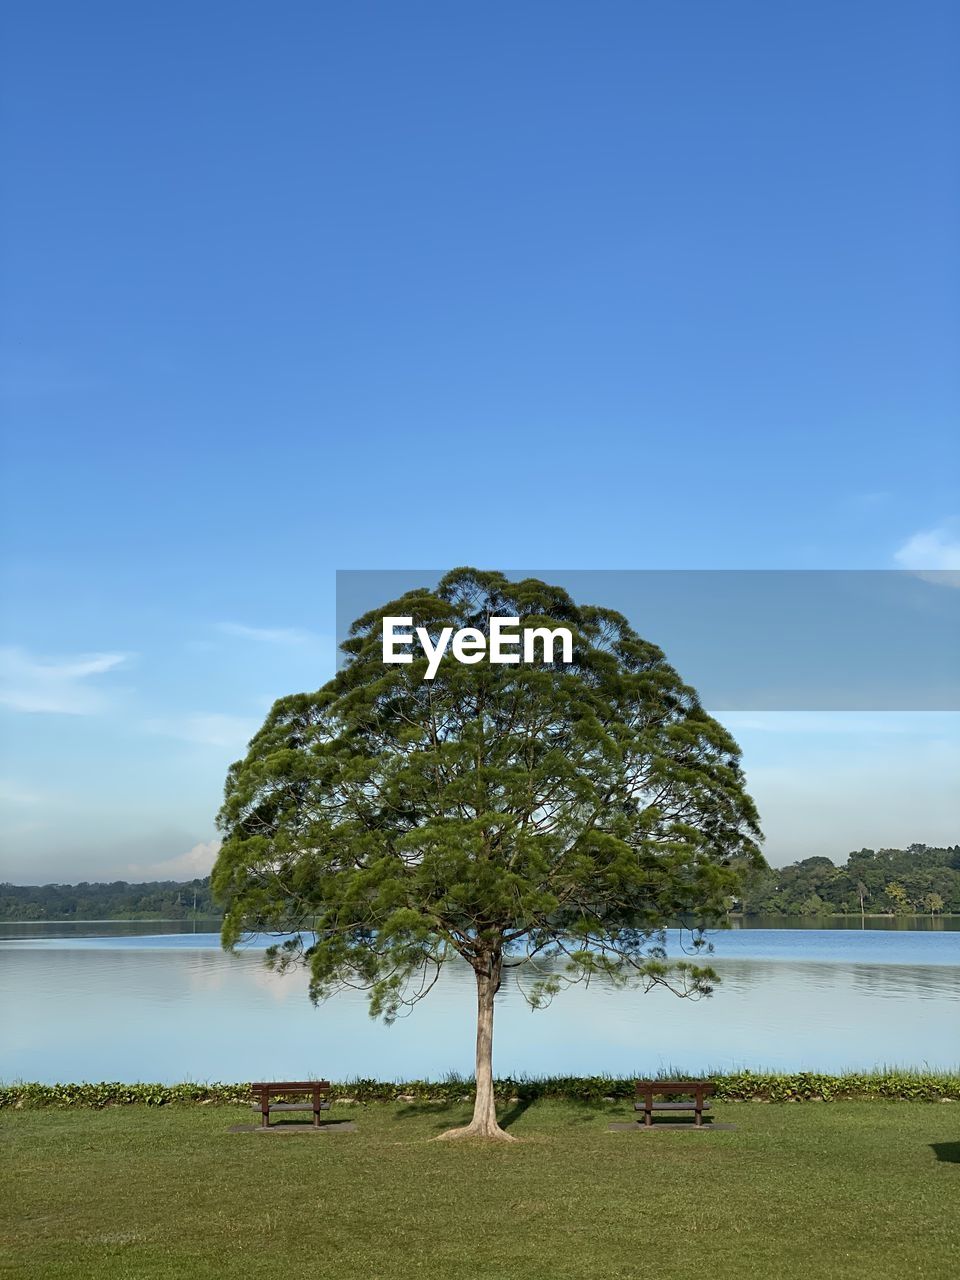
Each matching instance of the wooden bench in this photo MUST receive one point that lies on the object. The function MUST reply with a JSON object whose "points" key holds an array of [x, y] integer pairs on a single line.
{"points": [[647, 1090], [263, 1091]]}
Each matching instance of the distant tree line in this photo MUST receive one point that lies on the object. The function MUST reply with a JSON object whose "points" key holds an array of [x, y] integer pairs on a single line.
{"points": [[154, 900], [919, 880]]}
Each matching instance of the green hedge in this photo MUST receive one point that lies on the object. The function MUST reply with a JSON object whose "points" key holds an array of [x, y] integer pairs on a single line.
{"points": [[743, 1086]]}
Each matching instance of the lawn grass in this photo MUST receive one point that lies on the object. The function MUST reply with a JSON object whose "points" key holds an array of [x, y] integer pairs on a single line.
{"points": [[806, 1190]]}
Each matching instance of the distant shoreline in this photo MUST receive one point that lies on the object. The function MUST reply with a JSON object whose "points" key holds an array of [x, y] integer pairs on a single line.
{"points": [[733, 915], [846, 915], [115, 920]]}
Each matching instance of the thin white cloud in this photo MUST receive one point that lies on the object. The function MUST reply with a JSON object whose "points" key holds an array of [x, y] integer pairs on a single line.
{"points": [[56, 685], [867, 500], [14, 794], [268, 635], [208, 729], [933, 553], [193, 864]]}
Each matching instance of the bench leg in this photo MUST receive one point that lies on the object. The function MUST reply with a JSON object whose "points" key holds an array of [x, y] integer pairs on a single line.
{"points": [[648, 1117], [265, 1115]]}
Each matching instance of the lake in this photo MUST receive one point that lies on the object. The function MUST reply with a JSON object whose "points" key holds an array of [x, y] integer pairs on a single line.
{"points": [[160, 1001]]}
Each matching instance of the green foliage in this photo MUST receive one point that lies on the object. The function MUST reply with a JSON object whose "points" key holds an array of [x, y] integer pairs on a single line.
{"points": [[113, 1094], [152, 900], [805, 1086], [570, 812], [744, 1086], [919, 880], [928, 876]]}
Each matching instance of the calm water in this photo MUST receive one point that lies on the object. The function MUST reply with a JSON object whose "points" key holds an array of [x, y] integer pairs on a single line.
{"points": [[162, 1002]]}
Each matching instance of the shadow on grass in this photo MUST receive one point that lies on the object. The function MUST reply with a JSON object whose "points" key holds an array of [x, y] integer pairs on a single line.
{"points": [[507, 1118], [334, 1122], [586, 1111], [948, 1151], [673, 1123], [450, 1115]]}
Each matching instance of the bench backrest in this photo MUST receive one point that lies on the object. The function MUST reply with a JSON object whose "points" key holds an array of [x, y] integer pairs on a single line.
{"points": [[676, 1086], [291, 1086]]}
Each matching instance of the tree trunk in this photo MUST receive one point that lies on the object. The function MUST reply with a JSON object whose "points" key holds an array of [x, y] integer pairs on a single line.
{"points": [[484, 1122]]}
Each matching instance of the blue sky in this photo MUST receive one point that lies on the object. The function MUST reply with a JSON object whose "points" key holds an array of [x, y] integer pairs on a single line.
{"points": [[305, 287]]}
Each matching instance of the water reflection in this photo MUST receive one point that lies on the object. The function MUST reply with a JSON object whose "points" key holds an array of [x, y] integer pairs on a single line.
{"points": [[172, 1006], [890, 947], [896, 924], [46, 929], [41, 929]]}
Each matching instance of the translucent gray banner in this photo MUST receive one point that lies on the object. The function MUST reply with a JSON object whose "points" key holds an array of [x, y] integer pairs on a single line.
{"points": [[760, 640]]}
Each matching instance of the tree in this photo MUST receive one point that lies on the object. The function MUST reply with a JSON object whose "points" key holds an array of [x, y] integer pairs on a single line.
{"points": [[933, 903], [544, 819], [915, 873], [861, 894], [812, 905], [898, 896]]}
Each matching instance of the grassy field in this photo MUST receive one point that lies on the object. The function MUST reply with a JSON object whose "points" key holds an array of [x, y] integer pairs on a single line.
{"points": [[830, 1190]]}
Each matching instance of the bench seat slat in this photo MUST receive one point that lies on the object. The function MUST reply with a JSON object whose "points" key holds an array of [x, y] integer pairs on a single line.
{"points": [[291, 1106], [671, 1106]]}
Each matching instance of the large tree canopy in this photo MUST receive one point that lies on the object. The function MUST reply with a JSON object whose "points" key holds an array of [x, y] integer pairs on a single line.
{"points": [[547, 817]]}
